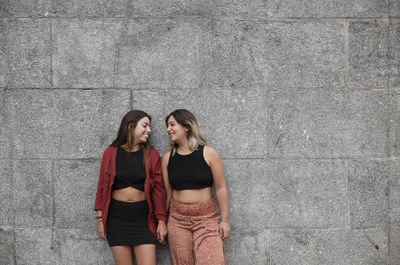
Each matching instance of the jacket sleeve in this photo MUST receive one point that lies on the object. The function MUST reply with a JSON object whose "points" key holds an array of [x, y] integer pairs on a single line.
{"points": [[158, 193], [98, 204]]}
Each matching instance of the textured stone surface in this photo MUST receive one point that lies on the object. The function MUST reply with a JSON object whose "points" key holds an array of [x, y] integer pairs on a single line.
{"points": [[394, 8], [269, 54], [327, 124], [33, 193], [394, 251], [394, 125], [35, 246], [65, 123], [163, 257], [50, 8], [227, 131], [152, 102], [5, 135], [80, 246], [6, 193], [329, 8], [207, 8], [394, 197], [368, 54], [369, 193], [77, 180], [7, 245], [85, 52], [160, 54], [287, 193], [25, 53], [248, 245], [334, 247], [394, 53]]}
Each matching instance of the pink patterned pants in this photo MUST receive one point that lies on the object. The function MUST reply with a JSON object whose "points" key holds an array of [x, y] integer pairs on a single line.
{"points": [[193, 234]]}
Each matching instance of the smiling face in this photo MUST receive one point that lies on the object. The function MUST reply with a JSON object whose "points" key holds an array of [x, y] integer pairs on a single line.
{"points": [[142, 131], [176, 131]]}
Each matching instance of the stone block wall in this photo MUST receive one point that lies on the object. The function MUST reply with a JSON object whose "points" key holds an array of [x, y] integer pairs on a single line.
{"points": [[300, 97]]}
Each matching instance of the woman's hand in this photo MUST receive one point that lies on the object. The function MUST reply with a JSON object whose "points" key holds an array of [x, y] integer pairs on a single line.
{"points": [[224, 229], [100, 230], [161, 231]]}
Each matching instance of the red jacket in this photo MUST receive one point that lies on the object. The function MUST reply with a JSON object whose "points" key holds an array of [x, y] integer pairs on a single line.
{"points": [[154, 188]]}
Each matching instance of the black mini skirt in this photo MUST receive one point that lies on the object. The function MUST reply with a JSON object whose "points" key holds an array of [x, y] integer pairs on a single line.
{"points": [[127, 224]]}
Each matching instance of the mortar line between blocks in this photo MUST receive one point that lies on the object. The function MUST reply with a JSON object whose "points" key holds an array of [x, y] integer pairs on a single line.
{"points": [[348, 214], [388, 52], [346, 54], [221, 18], [14, 206], [53, 194], [51, 54]]}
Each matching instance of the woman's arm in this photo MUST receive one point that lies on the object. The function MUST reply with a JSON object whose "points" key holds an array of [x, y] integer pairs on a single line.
{"points": [[158, 195], [221, 191], [164, 165], [99, 200]]}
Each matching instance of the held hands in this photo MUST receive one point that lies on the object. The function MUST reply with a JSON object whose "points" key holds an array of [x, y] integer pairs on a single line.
{"points": [[100, 230], [224, 229], [161, 231]]}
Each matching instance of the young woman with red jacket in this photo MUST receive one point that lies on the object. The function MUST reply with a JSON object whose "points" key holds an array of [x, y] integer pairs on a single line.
{"points": [[131, 197]]}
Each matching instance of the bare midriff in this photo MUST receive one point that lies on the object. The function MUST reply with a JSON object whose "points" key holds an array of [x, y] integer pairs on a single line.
{"points": [[192, 196], [128, 194]]}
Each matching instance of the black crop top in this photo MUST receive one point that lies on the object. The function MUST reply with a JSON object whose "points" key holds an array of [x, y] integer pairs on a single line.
{"points": [[189, 172], [130, 170]]}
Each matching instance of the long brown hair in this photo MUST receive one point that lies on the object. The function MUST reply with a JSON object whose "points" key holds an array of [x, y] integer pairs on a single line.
{"points": [[125, 134], [194, 134]]}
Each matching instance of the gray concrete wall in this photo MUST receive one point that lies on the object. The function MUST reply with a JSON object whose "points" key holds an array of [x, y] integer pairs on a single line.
{"points": [[300, 97]]}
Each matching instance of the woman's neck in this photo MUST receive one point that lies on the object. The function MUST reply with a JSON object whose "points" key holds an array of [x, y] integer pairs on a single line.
{"points": [[183, 147]]}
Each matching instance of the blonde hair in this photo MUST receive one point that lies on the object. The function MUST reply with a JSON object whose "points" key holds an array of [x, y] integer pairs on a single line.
{"points": [[195, 135]]}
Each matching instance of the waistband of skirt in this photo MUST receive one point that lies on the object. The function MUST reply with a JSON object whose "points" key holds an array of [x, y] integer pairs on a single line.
{"points": [[113, 201], [193, 210]]}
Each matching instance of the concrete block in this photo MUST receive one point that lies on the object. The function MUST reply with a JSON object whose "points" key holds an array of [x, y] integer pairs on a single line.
{"points": [[369, 193], [394, 125], [327, 124], [152, 102], [25, 53], [33, 193], [80, 246], [394, 193], [163, 257], [368, 54], [35, 246], [394, 8], [334, 247], [207, 8], [5, 135], [85, 52], [274, 55], [160, 53], [394, 248], [231, 132], [394, 53], [330, 8], [6, 193], [65, 123], [58, 8], [89, 8], [287, 193], [244, 246], [10, 8], [7, 243], [75, 191]]}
